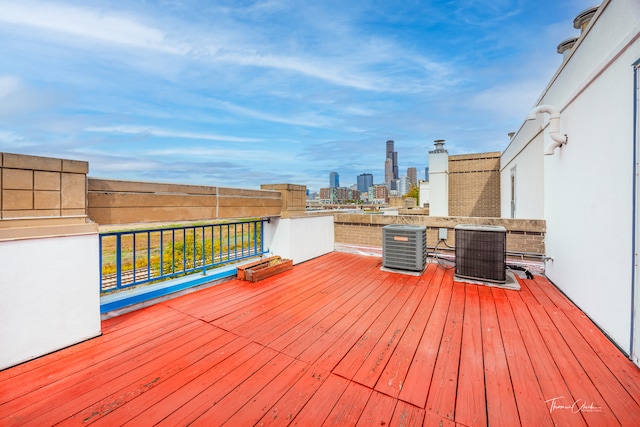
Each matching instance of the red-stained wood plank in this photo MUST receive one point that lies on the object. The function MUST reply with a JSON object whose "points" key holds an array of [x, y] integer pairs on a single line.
{"points": [[624, 409], [335, 342], [225, 408], [395, 371], [502, 410], [378, 412], [320, 405], [353, 360], [272, 324], [161, 365], [549, 376], [159, 411], [407, 415], [195, 407], [339, 346], [350, 290], [542, 286], [259, 405], [247, 294], [309, 311], [123, 405], [577, 380], [376, 360], [132, 333], [237, 314], [319, 324], [620, 366], [288, 406], [349, 407], [470, 397], [55, 405], [528, 394], [415, 388], [442, 391], [114, 361]]}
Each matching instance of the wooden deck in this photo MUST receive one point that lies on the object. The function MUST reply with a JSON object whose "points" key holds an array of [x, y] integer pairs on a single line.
{"points": [[336, 341]]}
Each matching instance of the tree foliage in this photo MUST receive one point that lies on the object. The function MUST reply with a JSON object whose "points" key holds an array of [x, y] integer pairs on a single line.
{"points": [[414, 192]]}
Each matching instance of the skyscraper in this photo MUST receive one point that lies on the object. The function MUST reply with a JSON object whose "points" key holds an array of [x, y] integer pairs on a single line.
{"points": [[388, 172], [334, 180], [403, 185], [365, 181], [393, 155], [412, 174]]}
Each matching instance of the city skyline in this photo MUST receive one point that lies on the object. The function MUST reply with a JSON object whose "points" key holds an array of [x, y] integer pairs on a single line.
{"points": [[240, 94]]}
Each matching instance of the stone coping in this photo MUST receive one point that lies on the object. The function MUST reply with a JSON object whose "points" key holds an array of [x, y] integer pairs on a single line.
{"points": [[530, 225], [37, 228]]}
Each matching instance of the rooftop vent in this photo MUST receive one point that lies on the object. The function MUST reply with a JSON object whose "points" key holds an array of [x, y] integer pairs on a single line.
{"points": [[481, 252], [565, 46], [404, 247], [439, 143], [582, 20]]}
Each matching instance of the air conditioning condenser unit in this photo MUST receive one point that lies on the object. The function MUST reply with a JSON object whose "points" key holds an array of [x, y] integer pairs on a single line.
{"points": [[404, 247], [481, 252]]}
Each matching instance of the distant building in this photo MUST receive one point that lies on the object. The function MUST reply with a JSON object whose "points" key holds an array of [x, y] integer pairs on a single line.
{"points": [[426, 174], [404, 185], [334, 180], [412, 174], [388, 172], [393, 188], [378, 194], [338, 195], [393, 156], [365, 180]]}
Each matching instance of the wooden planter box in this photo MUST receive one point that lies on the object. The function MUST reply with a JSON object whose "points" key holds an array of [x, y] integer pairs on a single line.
{"points": [[264, 268]]}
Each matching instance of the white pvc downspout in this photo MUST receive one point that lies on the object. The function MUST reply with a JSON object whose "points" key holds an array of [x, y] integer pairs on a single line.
{"points": [[554, 126]]}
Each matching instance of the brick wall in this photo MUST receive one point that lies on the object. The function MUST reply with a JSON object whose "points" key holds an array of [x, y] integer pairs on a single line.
{"points": [[474, 185], [366, 230], [41, 186]]}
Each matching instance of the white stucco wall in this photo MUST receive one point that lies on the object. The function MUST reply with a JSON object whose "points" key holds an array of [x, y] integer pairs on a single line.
{"points": [[300, 239], [588, 183], [525, 154], [438, 184], [49, 295], [423, 195]]}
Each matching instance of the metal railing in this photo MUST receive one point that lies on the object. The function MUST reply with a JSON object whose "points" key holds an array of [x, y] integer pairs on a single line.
{"points": [[136, 257]]}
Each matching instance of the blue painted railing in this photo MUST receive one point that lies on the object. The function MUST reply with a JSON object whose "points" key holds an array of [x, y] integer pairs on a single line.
{"points": [[135, 257]]}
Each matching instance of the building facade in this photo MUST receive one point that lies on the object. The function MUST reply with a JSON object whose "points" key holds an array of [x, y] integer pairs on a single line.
{"points": [[365, 180], [334, 180], [412, 174], [585, 120]]}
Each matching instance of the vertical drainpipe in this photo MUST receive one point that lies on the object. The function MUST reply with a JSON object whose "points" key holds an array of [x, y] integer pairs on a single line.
{"points": [[634, 218]]}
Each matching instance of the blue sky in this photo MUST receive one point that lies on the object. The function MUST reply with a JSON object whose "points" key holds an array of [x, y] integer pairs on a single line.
{"points": [[237, 93]]}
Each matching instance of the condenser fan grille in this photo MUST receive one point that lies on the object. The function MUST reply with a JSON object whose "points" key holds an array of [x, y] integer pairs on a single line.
{"points": [[481, 252]]}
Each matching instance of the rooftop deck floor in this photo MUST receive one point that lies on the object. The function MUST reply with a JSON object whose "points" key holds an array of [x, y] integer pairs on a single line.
{"points": [[337, 341]]}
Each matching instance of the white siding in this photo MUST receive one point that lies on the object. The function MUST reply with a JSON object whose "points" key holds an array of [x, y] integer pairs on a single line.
{"points": [[49, 295], [588, 183]]}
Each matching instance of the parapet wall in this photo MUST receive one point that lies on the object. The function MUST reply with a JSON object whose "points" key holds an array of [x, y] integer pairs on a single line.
{"points": [[41, 186], [525, 236], [126, 202]]}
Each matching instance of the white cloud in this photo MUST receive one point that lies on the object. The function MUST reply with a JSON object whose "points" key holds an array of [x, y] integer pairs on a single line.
{"points": [[164, 133], [88, 23], [310, 120]]}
